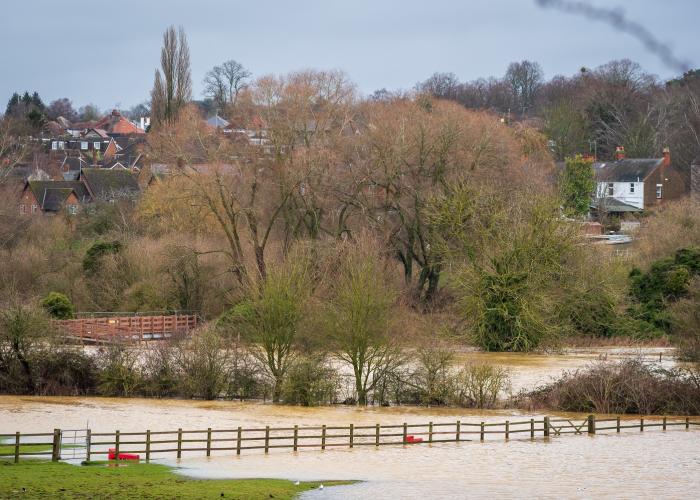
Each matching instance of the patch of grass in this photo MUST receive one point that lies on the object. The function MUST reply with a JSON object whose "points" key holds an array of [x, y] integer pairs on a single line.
{"points": [[7, 448], [39, 479]]}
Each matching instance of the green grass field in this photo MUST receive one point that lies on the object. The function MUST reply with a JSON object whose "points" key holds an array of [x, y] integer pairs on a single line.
{"points": [[41, 479]]}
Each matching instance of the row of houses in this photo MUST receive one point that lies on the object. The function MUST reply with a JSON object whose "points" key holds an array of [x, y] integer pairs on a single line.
{"points": [[81, 163], [44, 197]]}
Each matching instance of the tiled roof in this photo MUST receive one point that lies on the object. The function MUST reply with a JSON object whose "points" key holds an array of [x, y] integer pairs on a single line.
{"points": [[42, 188], [106, 183], [54, 198], [628, 170]]}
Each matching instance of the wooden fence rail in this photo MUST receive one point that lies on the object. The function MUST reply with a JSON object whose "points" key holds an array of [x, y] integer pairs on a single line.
{"points": [[206, 441]]}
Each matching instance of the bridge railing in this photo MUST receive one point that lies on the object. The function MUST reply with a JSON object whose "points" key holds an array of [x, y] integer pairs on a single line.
{"points": [[128, 328]]}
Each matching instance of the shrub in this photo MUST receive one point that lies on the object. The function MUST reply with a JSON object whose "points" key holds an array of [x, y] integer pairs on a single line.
{"points": [[311, 381], [119, 371], [479, 385], [58, 306], [205, 362], [160, 370], [65, 371], [685, 324], [630, 386], [592, 312], [94, 254], [433, 379]]}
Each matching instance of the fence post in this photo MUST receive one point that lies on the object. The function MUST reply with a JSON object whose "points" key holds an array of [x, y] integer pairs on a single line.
{"points": [[267, 439], [507, 429], [179, 443], [148, 445], [532, 428], [116, 445], [323, 437], [641, 424], [618, 424], [208, 441], [591, 424], [56, 445], [405, 432], [352, 435], [376, 437], [88, 444], [17, 447], [430, 432], [459, 429], [238, 441], [687, 423], [546, 426], [296, 437], [482, 431], [664, 424]]}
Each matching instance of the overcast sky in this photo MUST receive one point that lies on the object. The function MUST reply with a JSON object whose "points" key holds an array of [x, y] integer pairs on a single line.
{"points": [[106, 52]]}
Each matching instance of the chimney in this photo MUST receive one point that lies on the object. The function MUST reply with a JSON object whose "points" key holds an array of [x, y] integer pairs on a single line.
{"points": [[695, 180], [619, 153], [667, 157]]}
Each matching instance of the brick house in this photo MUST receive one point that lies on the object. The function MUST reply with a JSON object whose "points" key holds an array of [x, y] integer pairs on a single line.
{"points": [[52, 197]]}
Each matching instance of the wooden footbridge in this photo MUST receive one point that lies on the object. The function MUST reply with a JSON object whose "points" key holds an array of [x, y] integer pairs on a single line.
{"points": [[91, 328]]}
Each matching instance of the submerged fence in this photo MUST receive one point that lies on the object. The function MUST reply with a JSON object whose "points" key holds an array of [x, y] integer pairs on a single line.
{"points": [[265, 439]]}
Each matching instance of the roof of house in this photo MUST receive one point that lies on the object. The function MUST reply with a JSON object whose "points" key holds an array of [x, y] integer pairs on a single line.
{"points": [[218, 122], [615, 205], [54, 198], [106, 183], [73, 163], [53, 190], [627, 170]]}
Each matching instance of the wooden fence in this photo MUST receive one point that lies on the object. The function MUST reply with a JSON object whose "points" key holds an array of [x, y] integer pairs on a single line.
{"points": [[264, 439], [127, 328]]}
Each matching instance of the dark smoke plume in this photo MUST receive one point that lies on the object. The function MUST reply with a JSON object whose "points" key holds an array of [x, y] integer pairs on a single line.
{"points": [[616, 18]]}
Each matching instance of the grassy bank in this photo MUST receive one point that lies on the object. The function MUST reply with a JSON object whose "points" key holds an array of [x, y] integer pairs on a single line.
{"points": [[39, 479]]}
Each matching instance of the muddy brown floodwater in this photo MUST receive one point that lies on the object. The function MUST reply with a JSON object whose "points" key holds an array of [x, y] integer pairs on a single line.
{"points": [[652, 464]]}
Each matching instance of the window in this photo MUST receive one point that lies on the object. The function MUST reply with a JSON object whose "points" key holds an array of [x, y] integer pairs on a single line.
{"points": [[61, 145], [631, 187], [23, 209], [72, 209], [659, 191], [611, 188], [35, 208], [84, 145], [54, 145], [96, 145]]}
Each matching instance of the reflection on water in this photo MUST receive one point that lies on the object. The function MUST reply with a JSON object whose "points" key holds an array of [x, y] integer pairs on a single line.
{"points": [[651, 464]]}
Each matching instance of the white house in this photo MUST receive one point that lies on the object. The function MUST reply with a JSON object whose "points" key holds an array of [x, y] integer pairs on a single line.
{"points": [[634, 185]]}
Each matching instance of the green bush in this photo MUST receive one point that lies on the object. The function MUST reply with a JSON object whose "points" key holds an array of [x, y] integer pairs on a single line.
{"points": [[310, 382], [119, 372], [58, 306], [592, 312], [94, 254], [666, 282]]}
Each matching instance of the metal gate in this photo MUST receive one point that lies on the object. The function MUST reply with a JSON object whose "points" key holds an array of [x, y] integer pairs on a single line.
{"points": [[74, 444]]}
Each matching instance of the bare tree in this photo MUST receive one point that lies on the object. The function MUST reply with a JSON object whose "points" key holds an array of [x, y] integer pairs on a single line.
{"points": [[525, 79], [173, 89], [223, 83]]}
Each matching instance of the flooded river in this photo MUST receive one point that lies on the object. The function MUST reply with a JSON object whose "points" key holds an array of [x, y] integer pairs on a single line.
{"points": [[652, 464]]}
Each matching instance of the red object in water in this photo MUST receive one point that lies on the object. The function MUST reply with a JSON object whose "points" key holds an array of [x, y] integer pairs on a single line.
{"points": [[112, 455], [413, 439]]}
